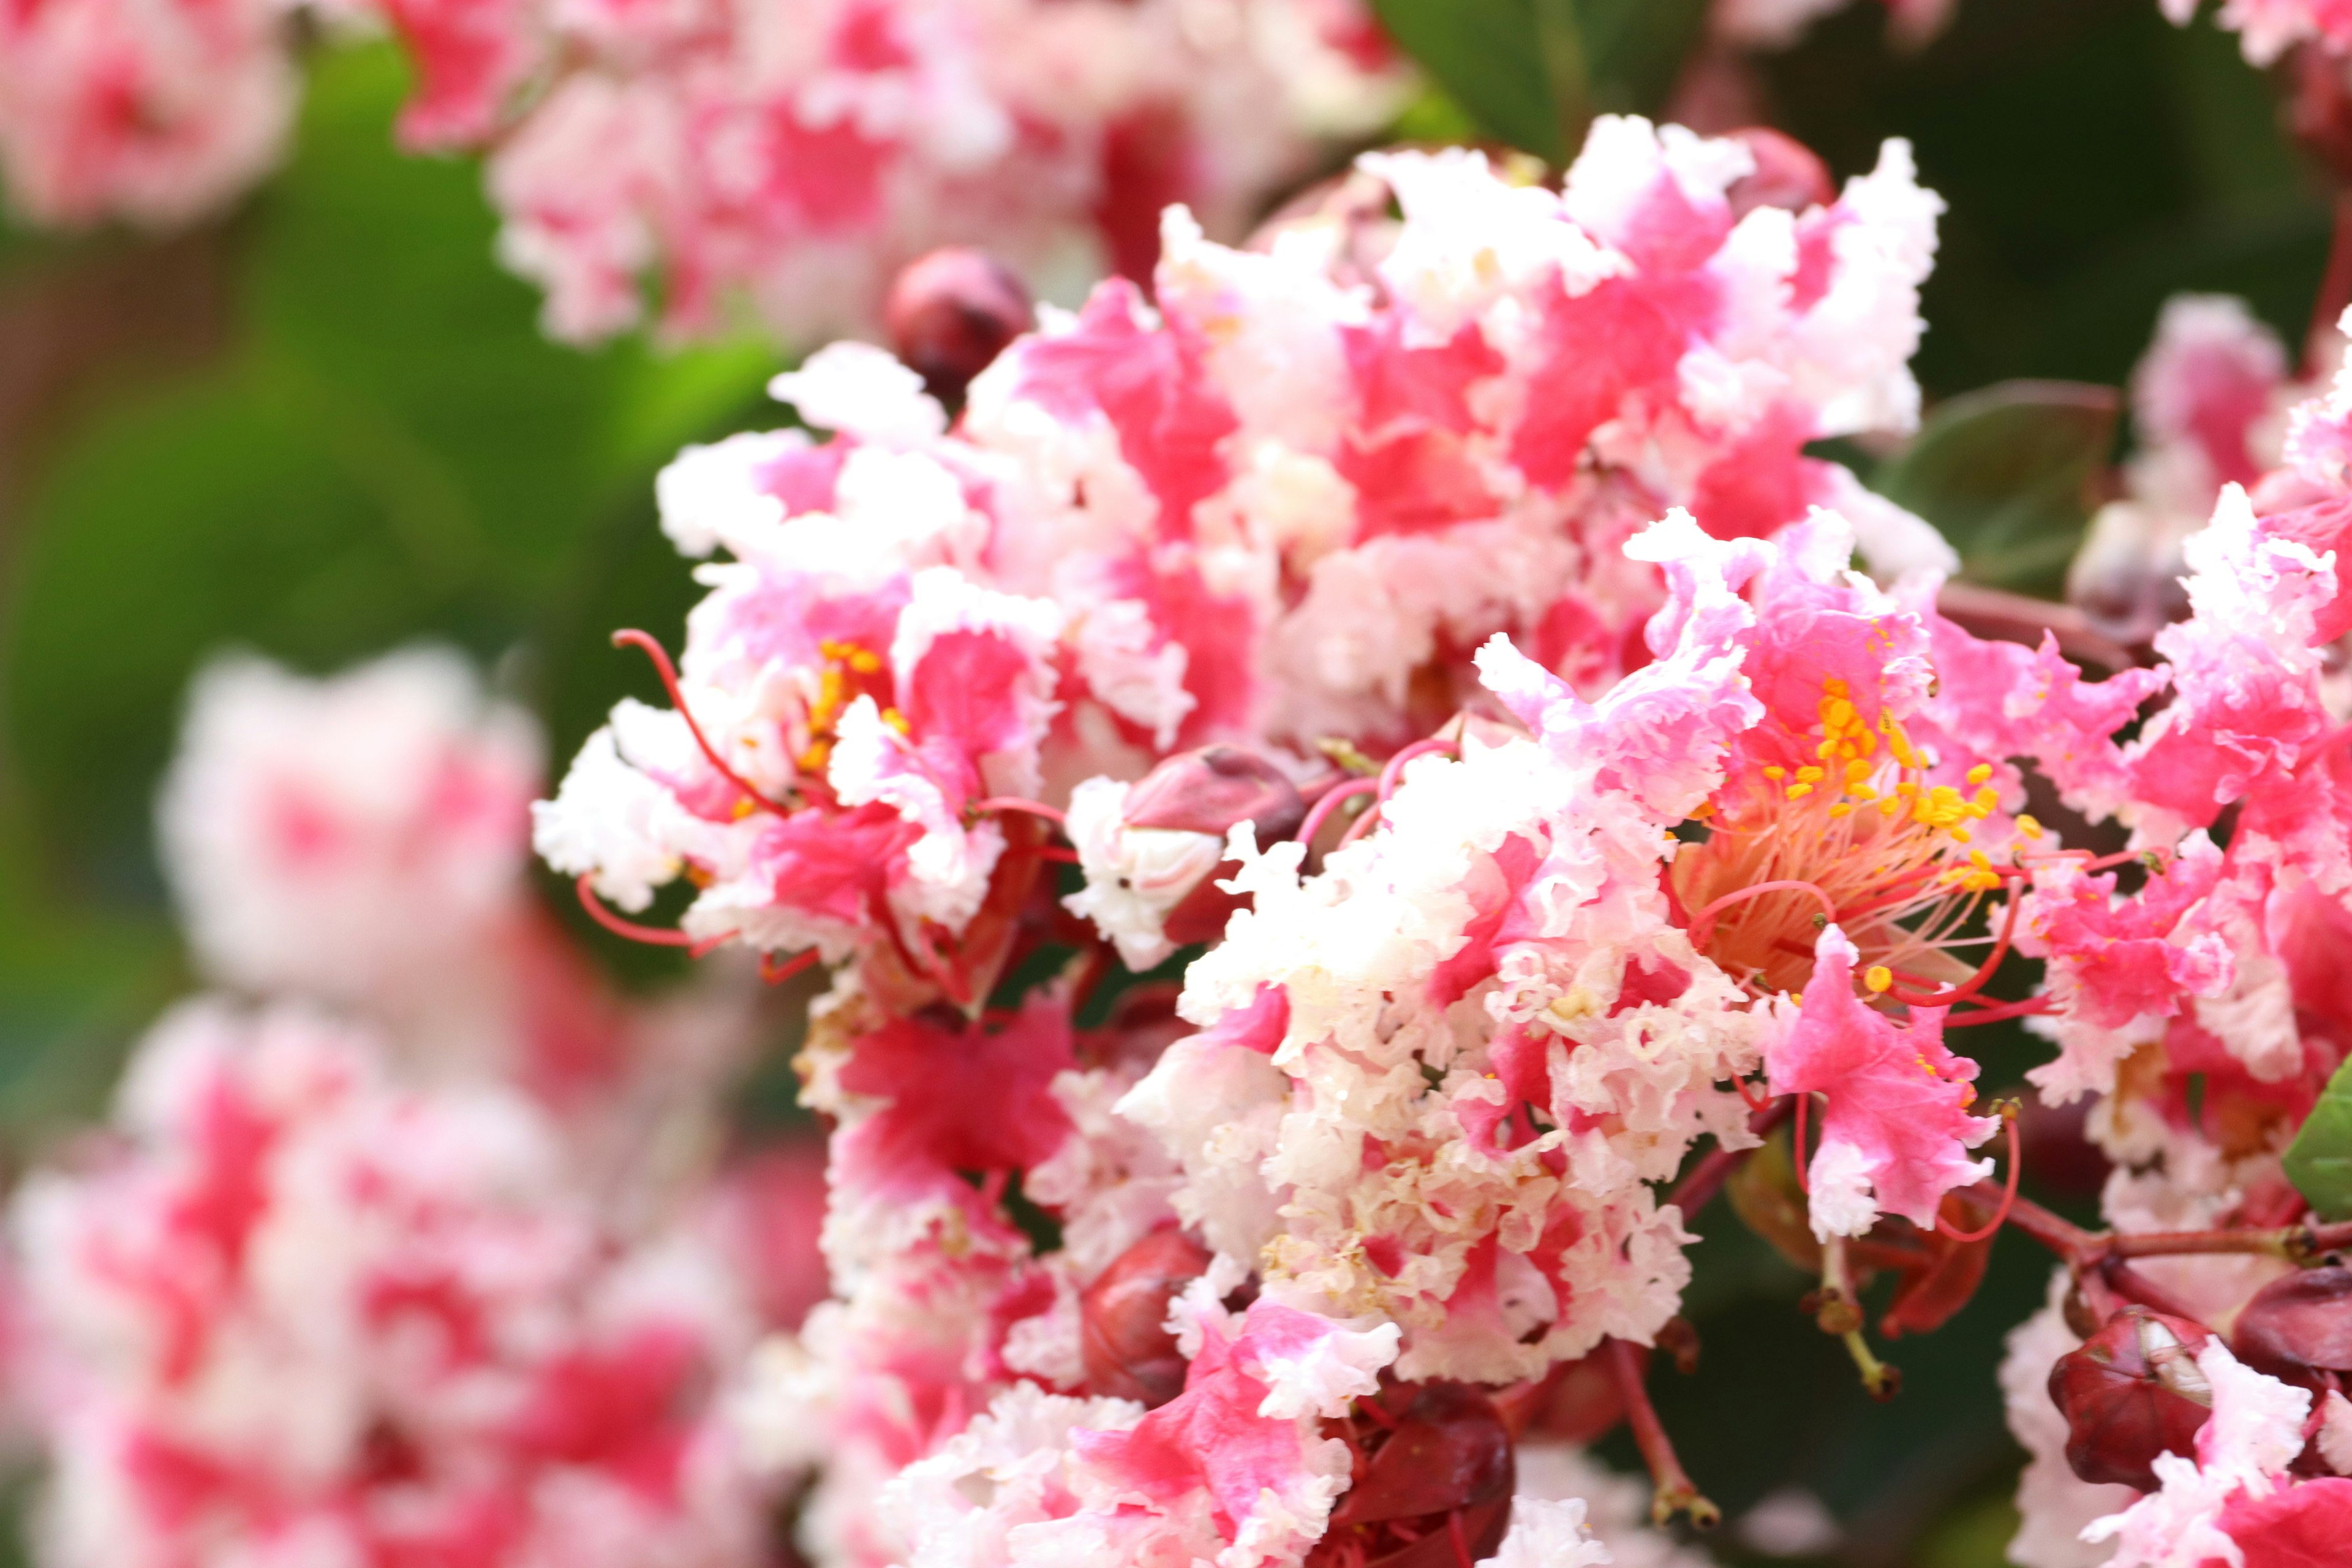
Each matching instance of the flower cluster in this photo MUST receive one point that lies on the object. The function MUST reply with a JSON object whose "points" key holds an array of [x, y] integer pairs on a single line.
{"points": [[292, 1312], [727, 156], [2200, 1008], [422, 1279], [1654, 823], [362, 843], [2209, 406], [1284, 508], [151, 111], [1438, 617]]}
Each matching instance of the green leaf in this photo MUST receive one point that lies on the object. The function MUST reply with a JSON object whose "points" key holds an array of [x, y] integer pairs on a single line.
{"points": [[2319, 1162], [1634, 50], [1534, 72], [2008, 474], [1489, 57]]}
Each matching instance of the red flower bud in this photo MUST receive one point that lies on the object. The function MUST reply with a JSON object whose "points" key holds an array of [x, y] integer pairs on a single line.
{"points": [[2132, 1392], [1123, 1316], [951, 313], [2319, 109], [1582, 1400], [1788, 175], [1432, 1449], [1209, 790], [2298, 1325]]}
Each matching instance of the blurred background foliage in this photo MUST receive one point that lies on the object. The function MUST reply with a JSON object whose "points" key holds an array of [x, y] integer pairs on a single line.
{"points": [[329, 425]]}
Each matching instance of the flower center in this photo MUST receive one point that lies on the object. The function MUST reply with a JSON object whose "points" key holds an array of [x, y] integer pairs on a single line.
{"points": [[1858, 836]]}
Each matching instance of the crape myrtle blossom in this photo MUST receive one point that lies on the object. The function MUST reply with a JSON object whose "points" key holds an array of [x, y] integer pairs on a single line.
{"points": [[2204, 1008], [1281, 508], [726, 156], [361, 841], [2209, 405], [792, 158], [153, 112], [291, 1312], [1458, 1054], [1415, 1137], [2269, 28]]}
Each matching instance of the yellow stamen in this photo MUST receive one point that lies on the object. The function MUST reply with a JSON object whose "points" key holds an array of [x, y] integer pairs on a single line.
{"points": [[1878, 977]]}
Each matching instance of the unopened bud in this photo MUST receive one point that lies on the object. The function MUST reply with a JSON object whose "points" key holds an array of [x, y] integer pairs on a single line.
{"points": [[1209, 790], [2299, 1324], [2126, 574], [951, 313], [1123, 1336], [1584, 1402], [1447, 1452], [2319, 109], [1788, 174], [2134, 1391]]}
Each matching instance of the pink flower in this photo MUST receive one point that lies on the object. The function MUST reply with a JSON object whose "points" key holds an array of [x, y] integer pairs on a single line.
{"points": [[292, 1302], [2268, 28], [1894, 1128], [154, 111]]}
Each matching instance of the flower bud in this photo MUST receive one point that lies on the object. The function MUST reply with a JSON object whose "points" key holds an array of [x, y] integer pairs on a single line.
{"points": [[2298, 1325], [2319, 107], [951, 313], [1209, 790], [1446, 1452], [1581, 1401], [1151, 873], [1123, 1334], [2126, 574], [1788, 174], [2132, 1392]]}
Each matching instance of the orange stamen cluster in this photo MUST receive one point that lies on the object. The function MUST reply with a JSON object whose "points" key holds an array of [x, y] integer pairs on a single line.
{"points": [[1858, 835], [849, 672]]}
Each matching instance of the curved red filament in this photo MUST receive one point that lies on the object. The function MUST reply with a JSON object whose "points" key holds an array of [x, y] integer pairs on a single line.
{"points": [[1333, 799], [775, 971], [669, 674], [652, 936], [2008, 1194], [1702, 924], [1394, 769], [1015, 803]]}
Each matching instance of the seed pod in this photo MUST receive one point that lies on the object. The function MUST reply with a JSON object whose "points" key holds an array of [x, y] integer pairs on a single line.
{"points": [[1443, 1450], [1122, 1318], [951, 313], [2298, 1325], [2132, 1392]]}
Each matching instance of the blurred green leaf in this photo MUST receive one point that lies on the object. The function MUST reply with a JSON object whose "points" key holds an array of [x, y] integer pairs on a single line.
{"points": [[2007, 474], [1489, 57], [1634, 50], [1533, 72], [2319, 1161]]}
